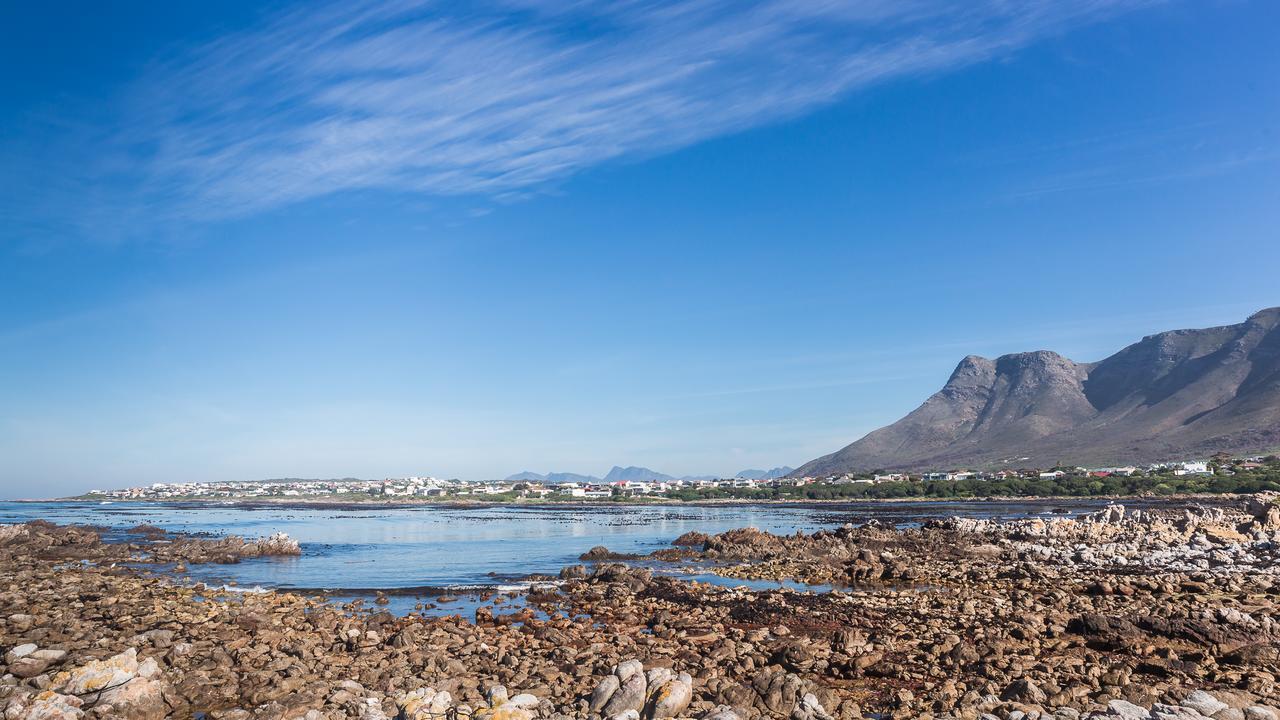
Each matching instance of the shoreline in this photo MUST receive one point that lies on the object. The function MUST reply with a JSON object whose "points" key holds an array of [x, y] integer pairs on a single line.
{"points": [[961, 617], [323, 504]]}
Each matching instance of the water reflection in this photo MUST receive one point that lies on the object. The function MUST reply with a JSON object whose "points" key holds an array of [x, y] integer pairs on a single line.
{"points": [[436, 547]]}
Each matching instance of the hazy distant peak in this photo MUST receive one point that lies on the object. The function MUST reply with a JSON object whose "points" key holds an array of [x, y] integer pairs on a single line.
{"points": [[751, 474], [634, 473]]}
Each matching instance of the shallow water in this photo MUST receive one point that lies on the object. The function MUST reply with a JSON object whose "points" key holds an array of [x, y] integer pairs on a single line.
{"points": [[431, 548]]}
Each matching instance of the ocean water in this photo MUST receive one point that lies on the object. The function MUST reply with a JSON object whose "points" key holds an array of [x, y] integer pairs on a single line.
{"points": [[428, 549]]}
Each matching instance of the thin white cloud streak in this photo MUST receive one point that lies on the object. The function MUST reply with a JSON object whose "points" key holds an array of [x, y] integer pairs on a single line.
{"points": [[1120, 175], [401, 97]]}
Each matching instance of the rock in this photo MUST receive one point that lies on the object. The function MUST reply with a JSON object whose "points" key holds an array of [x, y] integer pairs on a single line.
{"points": [[18, 652], [656, 678], [598, 552], [497, 696], [1258, 712], [809, 709], [630, 696], [1026, 692], [370, 709], [722, 712], [99, 675], [423, 704], [1203, 703], [48, 705], [1160, 711], [848, 641], [138, 699], [505, 712], [693, 538], [1127, 710], [573, 572], [603, 691], [627, 668], [671, 698], [524, 700]]}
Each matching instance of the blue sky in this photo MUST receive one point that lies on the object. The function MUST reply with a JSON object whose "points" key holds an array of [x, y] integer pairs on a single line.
{"points": [[387, 239]]}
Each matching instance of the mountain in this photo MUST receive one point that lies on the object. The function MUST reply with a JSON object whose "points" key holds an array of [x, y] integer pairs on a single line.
{"points": [[553, 477], [1177, 394], [566, 477], [621, 474], [765, 474]]}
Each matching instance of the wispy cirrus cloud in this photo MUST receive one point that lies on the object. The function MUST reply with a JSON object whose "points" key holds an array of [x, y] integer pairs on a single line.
{"points": [[503, 99]]}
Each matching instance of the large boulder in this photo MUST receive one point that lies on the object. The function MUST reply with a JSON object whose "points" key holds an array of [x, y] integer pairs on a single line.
{"points": [[670, 698], [139, 699], [117, 687], [98, 675], [629, 696], [630, 692], [47, 705]]}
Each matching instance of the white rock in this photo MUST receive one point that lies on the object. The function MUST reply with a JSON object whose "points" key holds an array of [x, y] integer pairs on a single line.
{"points": [[627, 668], [524, 700], [19, 652], [1126, 709], [1160, 711], [1204, 703]]}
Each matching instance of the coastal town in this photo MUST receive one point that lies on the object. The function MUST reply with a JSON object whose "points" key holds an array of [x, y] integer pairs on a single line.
{"points": [[428, 488]]}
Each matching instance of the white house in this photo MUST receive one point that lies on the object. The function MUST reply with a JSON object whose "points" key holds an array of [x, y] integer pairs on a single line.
{"points": [[1193, 468]]}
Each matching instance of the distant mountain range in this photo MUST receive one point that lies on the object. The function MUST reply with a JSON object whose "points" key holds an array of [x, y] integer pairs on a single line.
{"points": [[773, 474], [638, 474], [633, 473], [1177, 394], [555, 477]]}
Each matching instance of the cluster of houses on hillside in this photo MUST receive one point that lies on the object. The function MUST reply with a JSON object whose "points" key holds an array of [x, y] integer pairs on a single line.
{"points": [[659, 487], [410, 486], [1219, 464], [430, 487], [427, 487]]}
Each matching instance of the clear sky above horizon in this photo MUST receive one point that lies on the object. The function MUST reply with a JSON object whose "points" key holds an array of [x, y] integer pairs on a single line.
{"points": [[467, 239]]}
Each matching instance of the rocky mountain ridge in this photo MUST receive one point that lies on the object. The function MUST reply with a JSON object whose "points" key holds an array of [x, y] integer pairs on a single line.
{"points": [[1170, 395]]}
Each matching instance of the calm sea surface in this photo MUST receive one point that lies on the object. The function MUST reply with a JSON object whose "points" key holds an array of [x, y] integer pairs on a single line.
{"points": [[436, 547]]}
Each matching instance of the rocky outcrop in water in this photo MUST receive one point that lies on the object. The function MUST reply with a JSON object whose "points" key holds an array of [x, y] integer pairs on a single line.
{"points": [[51, 542]]}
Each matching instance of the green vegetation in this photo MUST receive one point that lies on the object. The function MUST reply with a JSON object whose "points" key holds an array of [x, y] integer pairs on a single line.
{"points": [[1074, 484], [1080, 486]]}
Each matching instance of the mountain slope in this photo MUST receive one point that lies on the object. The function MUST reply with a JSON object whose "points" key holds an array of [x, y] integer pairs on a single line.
{"points": [[1183, 392]]}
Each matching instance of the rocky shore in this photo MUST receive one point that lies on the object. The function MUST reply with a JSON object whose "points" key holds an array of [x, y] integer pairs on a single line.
{"points": [[1164, 614]]}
